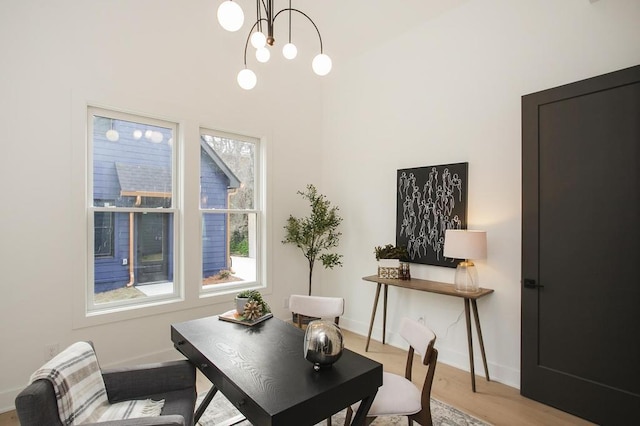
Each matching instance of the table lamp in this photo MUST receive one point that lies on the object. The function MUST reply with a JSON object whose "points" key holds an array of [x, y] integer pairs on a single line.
{"points": [[465, 244]]}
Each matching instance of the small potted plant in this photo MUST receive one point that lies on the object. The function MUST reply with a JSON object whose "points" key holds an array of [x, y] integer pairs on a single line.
{"points": [[389, 258], [251, 301]]}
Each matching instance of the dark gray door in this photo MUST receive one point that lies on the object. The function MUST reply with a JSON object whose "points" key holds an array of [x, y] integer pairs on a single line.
{"points": [[581, 247], [152, 249]]}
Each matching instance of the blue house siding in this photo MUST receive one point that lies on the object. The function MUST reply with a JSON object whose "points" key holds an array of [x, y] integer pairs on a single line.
{"points": [[213, 193], [113, 164]]}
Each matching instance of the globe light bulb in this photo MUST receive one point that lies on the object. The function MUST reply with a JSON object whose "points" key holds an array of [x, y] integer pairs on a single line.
{"points": [[289, 51], [112, 135], [137, 134], [148, 134], [247, 79], [230, 16], [263, 54], [321, 64], [156, 137], [258, 40]]}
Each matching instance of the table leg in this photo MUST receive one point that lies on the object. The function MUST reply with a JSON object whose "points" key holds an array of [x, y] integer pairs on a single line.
{"points": [[467, 315], [205, 403], [474, 307], [361, 415], [373, 316], [384, 314]]}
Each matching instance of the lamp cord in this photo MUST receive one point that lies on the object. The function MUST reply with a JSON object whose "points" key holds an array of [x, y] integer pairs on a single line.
{"points": [[451, 325]]}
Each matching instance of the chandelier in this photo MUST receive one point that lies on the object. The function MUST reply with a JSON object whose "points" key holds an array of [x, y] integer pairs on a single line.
{"points": [[231, 18]]}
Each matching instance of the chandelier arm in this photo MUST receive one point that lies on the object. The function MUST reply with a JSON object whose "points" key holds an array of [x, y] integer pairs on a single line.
{"points": [[246, 44], [259, 15], [306, 16], [289, 21]]}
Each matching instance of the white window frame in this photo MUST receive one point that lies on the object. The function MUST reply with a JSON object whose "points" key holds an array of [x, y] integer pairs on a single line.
{"points": [[258, 211], [93, 309]]}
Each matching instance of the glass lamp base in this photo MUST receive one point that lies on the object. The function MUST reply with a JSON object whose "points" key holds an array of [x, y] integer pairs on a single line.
{"points": [[466, 279]]}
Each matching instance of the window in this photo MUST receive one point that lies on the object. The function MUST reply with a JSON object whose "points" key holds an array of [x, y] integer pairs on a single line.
{"points": [[230, 208], [132, 213], [103, 236]]}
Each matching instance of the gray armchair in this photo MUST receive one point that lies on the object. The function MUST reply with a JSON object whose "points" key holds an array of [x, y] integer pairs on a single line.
{"points": [[173, 381]]}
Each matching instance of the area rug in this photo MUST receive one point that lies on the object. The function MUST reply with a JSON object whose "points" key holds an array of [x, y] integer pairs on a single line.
{"points": [[222, 412]]}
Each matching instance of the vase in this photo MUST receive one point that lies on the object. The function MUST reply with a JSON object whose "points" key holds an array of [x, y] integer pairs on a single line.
{"points": [[240, 302], [323, 343]]}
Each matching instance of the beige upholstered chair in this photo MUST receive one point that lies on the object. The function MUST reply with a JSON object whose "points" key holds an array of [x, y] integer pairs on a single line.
{"points": [[398, 396], [316, 307]]}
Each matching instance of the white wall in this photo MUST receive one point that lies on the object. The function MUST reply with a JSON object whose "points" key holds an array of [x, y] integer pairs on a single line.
{"points": [[446, 90], [159, 57], [449, 91]]}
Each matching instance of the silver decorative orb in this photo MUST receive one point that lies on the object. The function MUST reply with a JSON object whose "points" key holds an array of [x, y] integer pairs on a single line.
{"points": [[323, 343]]}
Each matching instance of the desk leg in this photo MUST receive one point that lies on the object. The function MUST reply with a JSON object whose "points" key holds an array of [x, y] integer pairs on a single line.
{"points": [[205, 403], [467, 315], [474, 307], [361, 415], [373, 316], [384, 314]]}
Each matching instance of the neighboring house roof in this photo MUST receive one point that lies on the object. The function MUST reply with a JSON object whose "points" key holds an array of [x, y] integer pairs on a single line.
{"points": [[144, 180], [234, 182], [155, 181]]}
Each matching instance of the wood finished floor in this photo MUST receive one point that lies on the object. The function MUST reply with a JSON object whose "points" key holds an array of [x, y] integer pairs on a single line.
{"points": [[493, 402]]}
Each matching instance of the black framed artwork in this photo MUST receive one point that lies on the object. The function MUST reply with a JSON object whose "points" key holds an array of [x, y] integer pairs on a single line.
{"points": [[430, 200]]}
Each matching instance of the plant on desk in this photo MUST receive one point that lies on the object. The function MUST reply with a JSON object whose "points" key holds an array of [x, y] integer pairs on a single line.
{"points": [[251, 305]]}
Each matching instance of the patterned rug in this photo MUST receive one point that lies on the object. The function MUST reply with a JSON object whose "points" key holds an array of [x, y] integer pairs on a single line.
{"points": [[222, 412]]}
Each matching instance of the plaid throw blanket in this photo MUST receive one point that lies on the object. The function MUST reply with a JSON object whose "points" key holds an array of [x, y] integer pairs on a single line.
{"points": [[80, 392]]}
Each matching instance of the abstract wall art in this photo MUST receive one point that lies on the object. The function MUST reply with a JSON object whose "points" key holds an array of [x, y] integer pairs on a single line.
{"points": [[430, 200]]}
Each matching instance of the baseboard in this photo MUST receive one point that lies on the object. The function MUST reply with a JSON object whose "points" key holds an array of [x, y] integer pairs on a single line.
{"points": [[158, 356], [8, 398], [499, 373]]}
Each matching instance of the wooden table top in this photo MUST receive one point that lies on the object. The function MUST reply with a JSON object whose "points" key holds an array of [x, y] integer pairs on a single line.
{"points": [[428, 286]]}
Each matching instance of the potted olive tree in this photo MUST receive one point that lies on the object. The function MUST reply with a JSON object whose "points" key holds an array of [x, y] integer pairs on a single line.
{"points": [[317, 233]]}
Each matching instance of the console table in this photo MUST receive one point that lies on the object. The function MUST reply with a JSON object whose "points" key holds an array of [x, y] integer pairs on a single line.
{"points": [[439, 288]]}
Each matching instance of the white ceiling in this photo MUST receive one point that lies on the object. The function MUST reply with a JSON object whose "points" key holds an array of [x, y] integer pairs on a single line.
{"points": [[350, 27]]}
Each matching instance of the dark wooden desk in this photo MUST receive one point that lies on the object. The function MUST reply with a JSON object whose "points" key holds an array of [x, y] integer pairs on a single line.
{"points": [[439, 288], [261, 370]]}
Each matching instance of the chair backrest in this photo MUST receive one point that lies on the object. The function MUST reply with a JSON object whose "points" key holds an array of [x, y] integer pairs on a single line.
{"points": [[419, 337], [317, 306], [421, 340]]}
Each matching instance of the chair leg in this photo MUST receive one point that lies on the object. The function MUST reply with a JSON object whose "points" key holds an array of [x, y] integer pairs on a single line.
{"points": [[329, 421], [423, 417], [347, 417]]}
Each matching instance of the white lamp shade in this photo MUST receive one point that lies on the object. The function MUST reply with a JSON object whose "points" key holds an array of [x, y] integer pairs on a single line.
{"points": [[230, 16], [321, 64], [465, 244]]}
